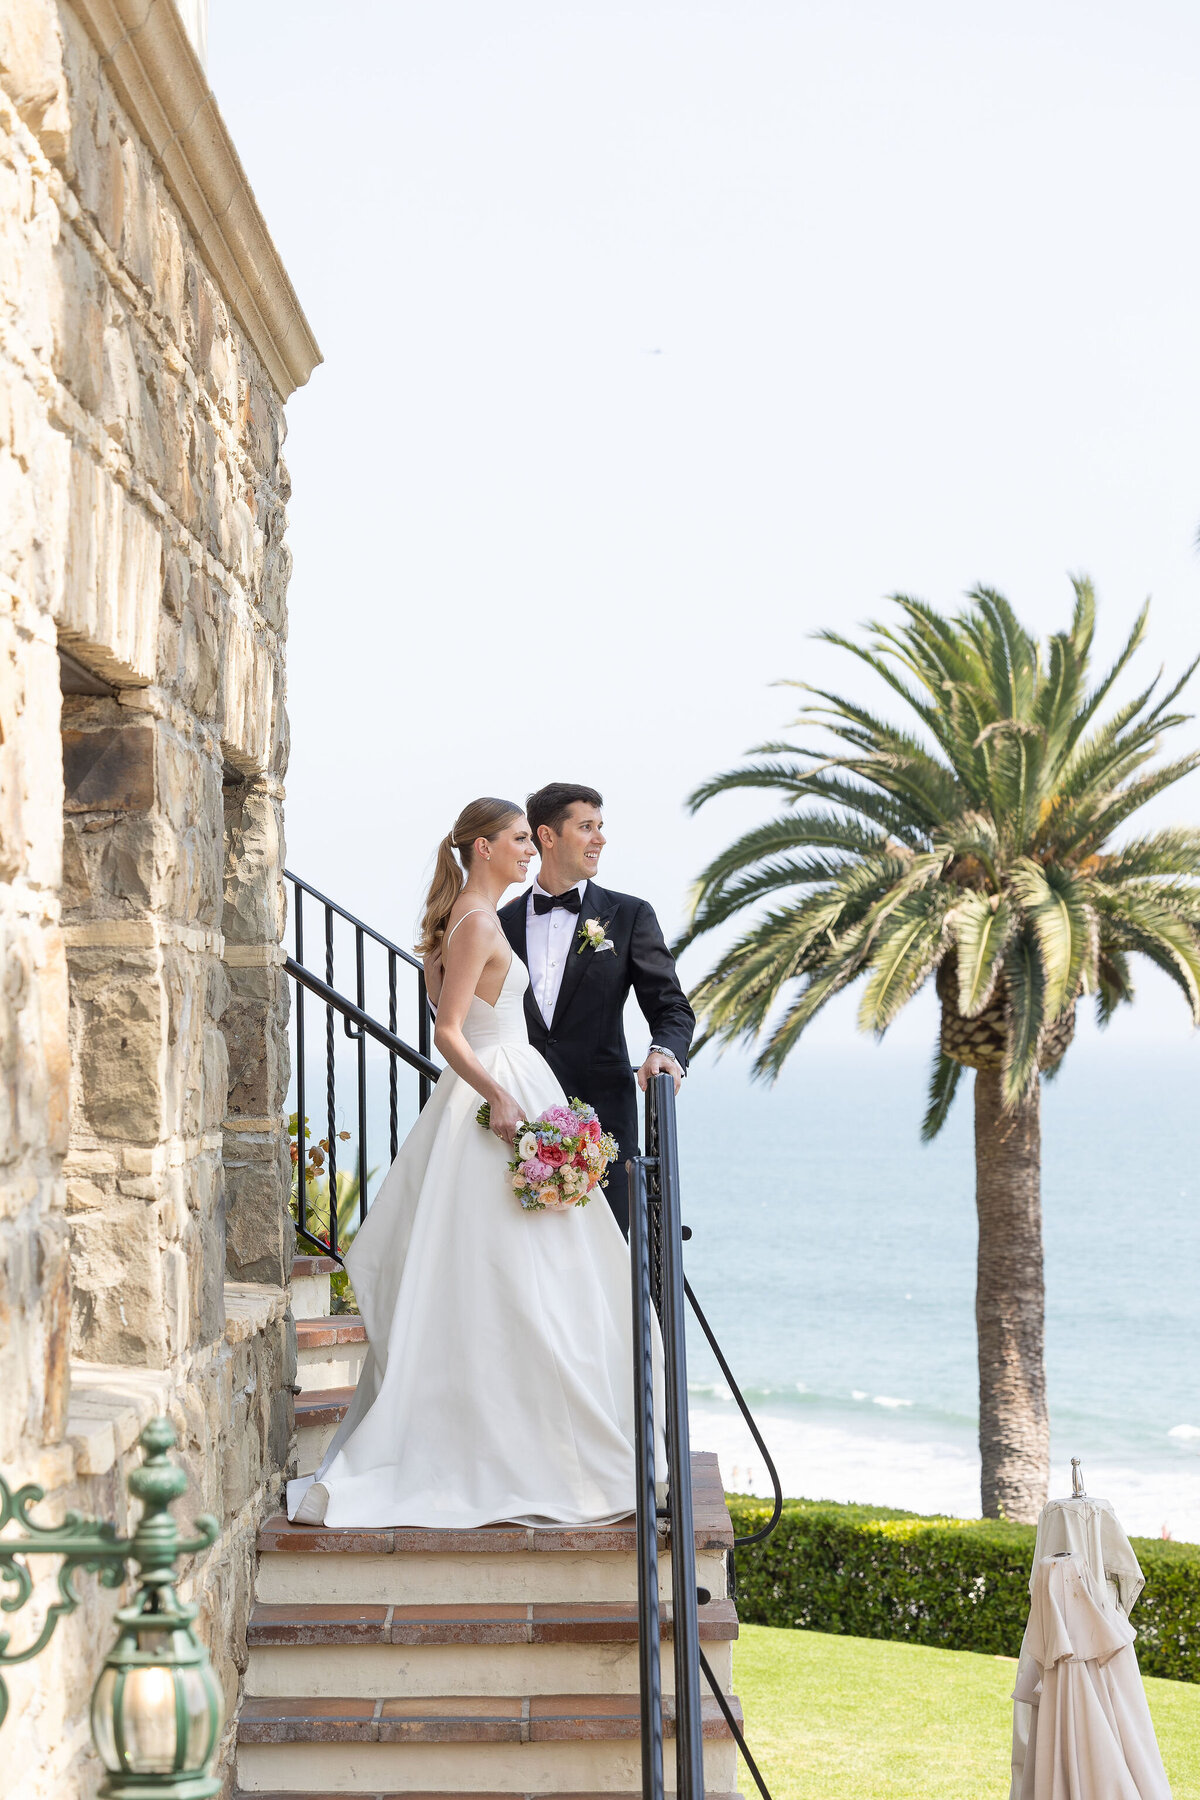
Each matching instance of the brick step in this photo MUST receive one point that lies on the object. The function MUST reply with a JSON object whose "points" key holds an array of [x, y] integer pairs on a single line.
{"points": [[310, 1285], [319, 1412], [330, 1353], [279, 1794], [325, 1330], [528, 1745], [367, 1652], [600, 1623], [411, 1566], [326, 1406]]}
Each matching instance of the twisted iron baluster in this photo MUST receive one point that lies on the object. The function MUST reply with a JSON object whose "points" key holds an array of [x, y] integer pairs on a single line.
{"points": [[330, 1089], [360, 1034], [393, 1116], [425, 1086], [301, 1126]]}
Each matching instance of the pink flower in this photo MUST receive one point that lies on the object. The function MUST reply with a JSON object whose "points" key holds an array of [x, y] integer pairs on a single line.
{"points": [[592, 1128], [554, 1155], [534, 1170]]}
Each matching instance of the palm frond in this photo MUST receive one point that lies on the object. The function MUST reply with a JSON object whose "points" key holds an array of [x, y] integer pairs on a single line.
{"points": [[943, 1084], [903, 955], [981, 929], [1025, 979], [1057, 909], [1114, 986], [1136, 920]]}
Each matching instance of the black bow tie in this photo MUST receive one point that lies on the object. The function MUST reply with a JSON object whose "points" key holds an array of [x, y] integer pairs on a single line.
{"points": [[544, 903]]}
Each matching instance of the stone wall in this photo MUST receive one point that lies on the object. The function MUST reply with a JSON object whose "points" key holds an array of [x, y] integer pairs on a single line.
{"points": [[143, 1061]]}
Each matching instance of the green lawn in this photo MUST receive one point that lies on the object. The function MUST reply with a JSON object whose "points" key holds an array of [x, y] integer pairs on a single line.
{"points": [[841, 1718]]}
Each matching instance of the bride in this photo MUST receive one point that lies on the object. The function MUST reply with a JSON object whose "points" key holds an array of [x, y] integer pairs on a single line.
{"points": [[498, 1383]]}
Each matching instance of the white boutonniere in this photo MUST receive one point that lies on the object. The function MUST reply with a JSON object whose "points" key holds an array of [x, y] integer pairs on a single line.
{"points": [[591, 936]]}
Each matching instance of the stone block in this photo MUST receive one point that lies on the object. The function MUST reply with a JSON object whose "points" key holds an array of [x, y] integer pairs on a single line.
{"points": [[30, 783], [249, 676], [54, 1005], [121, 1062], [12, 815], [200, 648], [31, 63], [253, 911], [112, 576], [76, 297], [34, 1071], [53, 1274], [205, 1247], [129, 856], [255, 1029], [119, 1310], [109, 769], [214, 1078], [259, 1235]]}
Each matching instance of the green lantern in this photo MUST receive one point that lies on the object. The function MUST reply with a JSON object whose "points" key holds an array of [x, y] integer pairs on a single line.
{"points": [[156, 1709]]}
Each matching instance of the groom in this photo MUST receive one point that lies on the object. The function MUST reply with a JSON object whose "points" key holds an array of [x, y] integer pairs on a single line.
{"points": [[585, 947]]}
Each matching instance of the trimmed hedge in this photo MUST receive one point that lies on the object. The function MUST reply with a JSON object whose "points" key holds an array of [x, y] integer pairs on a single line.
{"points": [[961, 1584]]}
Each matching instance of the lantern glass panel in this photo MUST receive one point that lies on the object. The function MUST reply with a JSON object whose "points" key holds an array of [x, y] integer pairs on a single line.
{"points": [[202, 1704], [102, 1720], [149, 1721]]}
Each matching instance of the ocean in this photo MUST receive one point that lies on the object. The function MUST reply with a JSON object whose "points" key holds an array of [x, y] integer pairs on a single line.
{"points": [[835, 1257], [834, 1254]]}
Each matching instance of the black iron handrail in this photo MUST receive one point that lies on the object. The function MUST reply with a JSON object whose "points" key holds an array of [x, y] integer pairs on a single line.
{"points": [[358, 1025], [656, 1243], [656, 1239], [645, 1441], [764, 1531]]}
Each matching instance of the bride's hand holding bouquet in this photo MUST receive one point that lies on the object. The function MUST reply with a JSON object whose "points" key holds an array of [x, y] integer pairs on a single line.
{"points": [[559, 1159]]}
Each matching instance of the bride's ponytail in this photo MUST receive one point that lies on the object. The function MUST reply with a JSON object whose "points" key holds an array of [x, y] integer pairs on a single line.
{"points": [[485, 818]]}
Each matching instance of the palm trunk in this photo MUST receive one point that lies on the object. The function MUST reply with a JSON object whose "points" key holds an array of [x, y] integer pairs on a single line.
{"points": [[1014, 1427]]}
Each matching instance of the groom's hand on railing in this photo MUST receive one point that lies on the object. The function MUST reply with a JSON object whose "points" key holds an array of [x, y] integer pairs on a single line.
{"points": [[660, 1062]]}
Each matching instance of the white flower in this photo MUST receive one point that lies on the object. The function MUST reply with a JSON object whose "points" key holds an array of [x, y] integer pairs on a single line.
{"points": [[592, 933], [528, 1147]]}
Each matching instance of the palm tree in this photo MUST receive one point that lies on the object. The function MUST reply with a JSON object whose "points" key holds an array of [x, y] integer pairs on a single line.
{"points": [[975, 846]]}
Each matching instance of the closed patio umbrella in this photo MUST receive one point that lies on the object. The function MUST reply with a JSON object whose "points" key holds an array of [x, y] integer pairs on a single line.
{"points": [[1081, 1726]]}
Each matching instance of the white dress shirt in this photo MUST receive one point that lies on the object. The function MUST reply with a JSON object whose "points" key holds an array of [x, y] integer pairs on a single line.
{"points": [[550, 937]]}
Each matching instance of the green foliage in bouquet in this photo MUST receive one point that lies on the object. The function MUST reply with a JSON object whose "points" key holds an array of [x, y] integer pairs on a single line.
{"points": [[959, 1584]]}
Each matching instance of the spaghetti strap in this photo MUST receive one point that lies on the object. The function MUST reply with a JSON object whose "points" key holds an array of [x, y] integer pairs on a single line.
{"points": [[458, 922]]}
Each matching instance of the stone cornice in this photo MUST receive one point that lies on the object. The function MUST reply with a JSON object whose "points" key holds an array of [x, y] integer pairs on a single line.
{"points": [[148, 57]]}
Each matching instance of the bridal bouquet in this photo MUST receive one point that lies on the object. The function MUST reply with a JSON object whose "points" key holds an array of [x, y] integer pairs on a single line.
{"points": [[560, 1159]]}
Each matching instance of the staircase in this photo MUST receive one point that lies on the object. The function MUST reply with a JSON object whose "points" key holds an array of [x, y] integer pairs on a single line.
{"points": [[480, 1663]]}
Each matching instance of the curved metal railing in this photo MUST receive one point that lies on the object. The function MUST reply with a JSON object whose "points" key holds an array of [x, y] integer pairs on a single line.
{"points": [[341, 928]]}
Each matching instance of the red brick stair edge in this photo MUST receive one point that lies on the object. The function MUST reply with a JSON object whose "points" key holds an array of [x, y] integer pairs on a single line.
{"points": [[486, 1719]]}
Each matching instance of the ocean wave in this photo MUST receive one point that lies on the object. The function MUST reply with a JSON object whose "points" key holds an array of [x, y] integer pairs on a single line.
{"points": [[796, 1399], [1187, 1432]]}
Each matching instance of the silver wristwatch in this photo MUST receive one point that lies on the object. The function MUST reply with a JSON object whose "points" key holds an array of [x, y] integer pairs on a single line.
{"points": [[661, 1050]]}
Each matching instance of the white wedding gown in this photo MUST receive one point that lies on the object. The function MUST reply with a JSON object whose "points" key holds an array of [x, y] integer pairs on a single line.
{"points": [[498, 1383]]}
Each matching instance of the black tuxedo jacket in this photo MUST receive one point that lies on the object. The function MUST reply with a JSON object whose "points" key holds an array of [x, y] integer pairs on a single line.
{"points": [[584, 1043]]}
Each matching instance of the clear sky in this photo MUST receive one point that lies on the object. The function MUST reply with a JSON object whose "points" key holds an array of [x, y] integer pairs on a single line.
{"points": [[659, 335]]}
